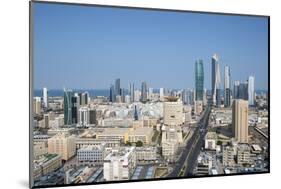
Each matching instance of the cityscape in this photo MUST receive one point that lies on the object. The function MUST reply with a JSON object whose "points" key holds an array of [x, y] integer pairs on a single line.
{"points": [[133, 130]]}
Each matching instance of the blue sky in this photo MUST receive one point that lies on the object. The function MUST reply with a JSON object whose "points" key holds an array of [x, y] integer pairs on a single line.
{"points": [[85, 47]]}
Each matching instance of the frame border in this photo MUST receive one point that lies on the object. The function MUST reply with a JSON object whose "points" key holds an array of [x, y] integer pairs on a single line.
{"points": [[31, 64]]}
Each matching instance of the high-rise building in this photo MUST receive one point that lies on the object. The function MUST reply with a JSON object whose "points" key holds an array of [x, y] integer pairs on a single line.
{"points": [[93, 116], [243, 91], [132, 91], [150, 93], [216, 81], [74, 108], [117, 87], [144, 92], [251, 90], [161, 94], [36, 105], [45, 97], [240, 120], [83, 117], [83, 98], [173, 111], [199, 80], [47, 120], [112, 94], [67, 106], [236, 90], [227, 91]]}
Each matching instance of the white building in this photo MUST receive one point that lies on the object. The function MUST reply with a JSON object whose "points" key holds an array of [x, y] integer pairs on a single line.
{"points": [[91, 153], [146, 153], [83, 117], [161, 94], [119, 164], [45, 97], [251, 90], [211, 140]]}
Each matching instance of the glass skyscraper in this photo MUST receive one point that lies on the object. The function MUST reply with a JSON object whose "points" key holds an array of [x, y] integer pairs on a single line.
{"points": [[215, 81], [199, 80], [67, 106], [227, 91], [143, 92]]}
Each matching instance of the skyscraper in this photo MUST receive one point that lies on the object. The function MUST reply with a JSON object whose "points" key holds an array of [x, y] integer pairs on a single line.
{"points": [[111, 94], [251, 90], [215, 80], [236, 90], [243, 91], [132, 90], [143, 92], [199, 80], [227, 91], [240, 120], [45, 97], [117, 87], [67, 106]]}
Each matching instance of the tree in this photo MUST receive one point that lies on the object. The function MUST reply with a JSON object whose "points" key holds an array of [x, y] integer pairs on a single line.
{"points": [[219, 142], [128, 143], [139, 143]]}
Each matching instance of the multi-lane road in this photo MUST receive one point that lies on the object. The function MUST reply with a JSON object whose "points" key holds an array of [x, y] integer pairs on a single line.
{"points": [[186, 163]]}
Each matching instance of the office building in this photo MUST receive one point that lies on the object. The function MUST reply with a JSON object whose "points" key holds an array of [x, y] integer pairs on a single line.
{"points": [[216, 81], [240, 120], [119, 164], [46, 119], [117, 87], [146, 153], [91, 153], [62, 144], [68, 106], [199, 80], [83, 99], [45, 97], [93, 117], [111, 94], [227, 92], [243, 91], [251, 90], [161, 94], [36, 105], [83, 117], [173, 111], [144, 92], [132, 92], [236, 89]]}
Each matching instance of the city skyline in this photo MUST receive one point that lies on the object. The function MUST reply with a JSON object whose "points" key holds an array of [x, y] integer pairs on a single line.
{"points": [[128, 45]]}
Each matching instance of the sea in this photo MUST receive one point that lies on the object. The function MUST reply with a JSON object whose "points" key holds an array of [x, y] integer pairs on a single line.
{"points": [[98, 92]]}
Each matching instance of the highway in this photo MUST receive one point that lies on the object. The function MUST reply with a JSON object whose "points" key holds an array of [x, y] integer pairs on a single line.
{"points": [[185, 164]]}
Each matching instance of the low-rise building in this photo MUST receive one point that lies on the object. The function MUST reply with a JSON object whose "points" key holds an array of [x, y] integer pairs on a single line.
{"points": [[146, 153], [46, 164], [91, 153], [228, 154], [243, 154], [62, 144], [211, 141], [119, 164]]}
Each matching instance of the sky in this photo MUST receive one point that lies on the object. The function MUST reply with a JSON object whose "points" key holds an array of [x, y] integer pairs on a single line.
{"points": [[85, 47]]}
